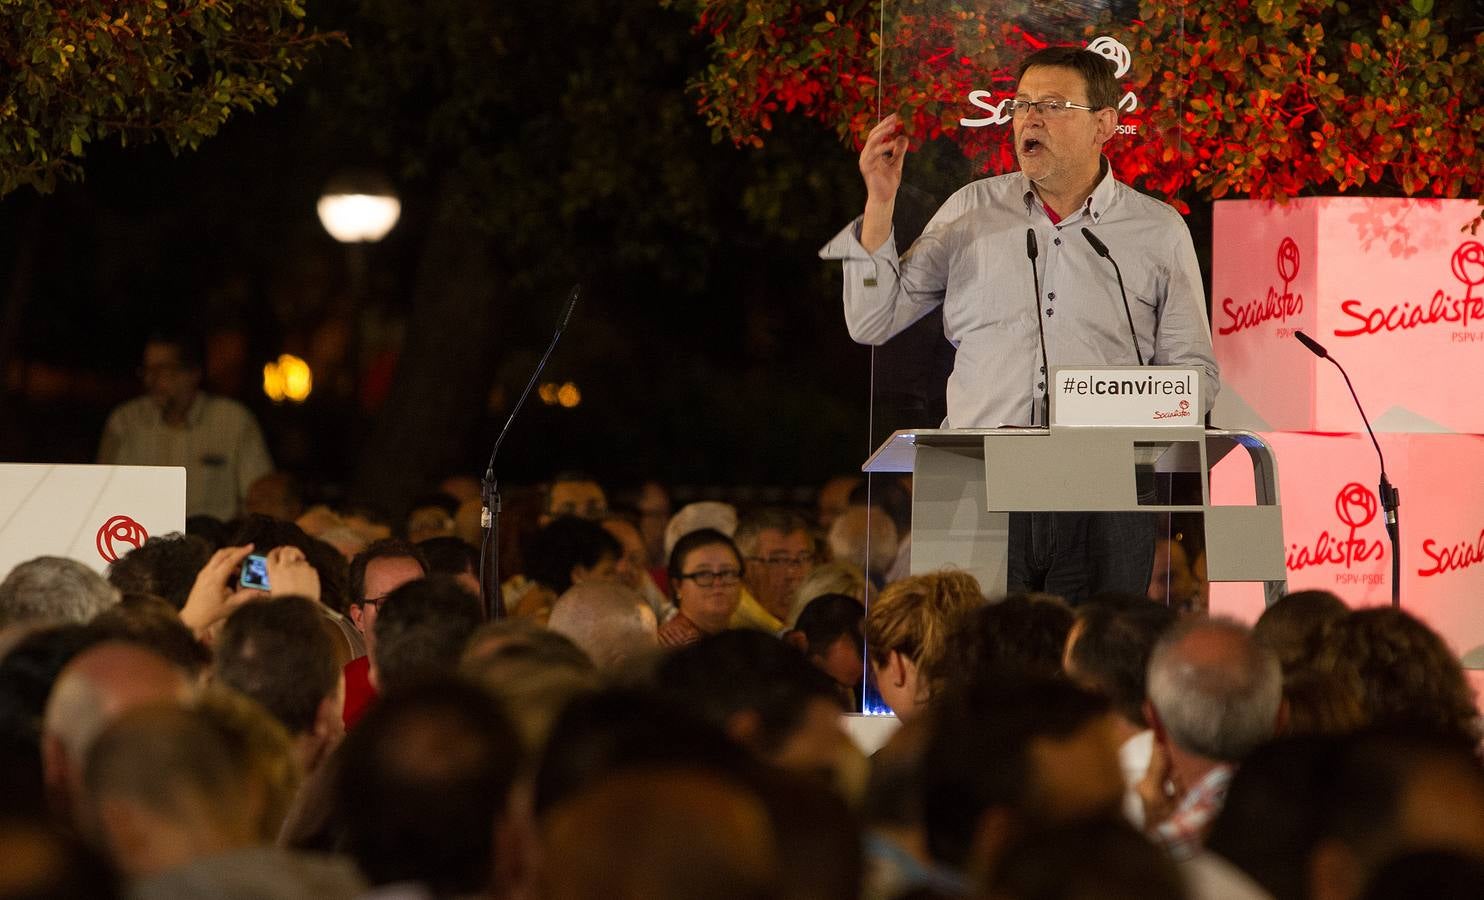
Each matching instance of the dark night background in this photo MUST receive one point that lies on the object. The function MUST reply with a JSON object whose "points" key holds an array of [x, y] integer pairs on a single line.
{"points": [[533, 147]]}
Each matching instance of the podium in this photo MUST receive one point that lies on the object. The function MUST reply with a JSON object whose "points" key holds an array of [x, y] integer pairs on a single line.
{"points": [[967, 481]]}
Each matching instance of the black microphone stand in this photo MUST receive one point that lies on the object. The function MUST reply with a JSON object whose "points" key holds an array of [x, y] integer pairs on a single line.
{"points": [[489, 513], [1031, 252], [1390, 497], [1102, 250]]}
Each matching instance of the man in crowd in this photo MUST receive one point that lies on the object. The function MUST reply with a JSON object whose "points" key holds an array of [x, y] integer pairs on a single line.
{"points": [[574, 494], [1215, 694], [177, 424], [612, 624], [422, 631], [97, 687], [971, 260], [777, 554], [275, 652], [375, 572], [53, 589], [1108, 651]]}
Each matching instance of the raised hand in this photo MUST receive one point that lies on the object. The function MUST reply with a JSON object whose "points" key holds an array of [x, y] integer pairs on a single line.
{"points": [[881, 160]]}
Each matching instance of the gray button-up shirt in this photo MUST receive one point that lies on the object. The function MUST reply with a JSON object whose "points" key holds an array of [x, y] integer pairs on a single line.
{"points": [[972, 259]]}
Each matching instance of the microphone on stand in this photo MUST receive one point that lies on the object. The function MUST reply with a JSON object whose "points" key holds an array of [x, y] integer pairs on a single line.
{"points": [[1031, 251], [1390, 498], [489, 514], [1102, 250]]}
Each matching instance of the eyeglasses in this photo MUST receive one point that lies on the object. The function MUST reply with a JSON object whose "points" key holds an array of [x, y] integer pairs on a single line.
{"points": [[1050, 108], [778, 562], [373, 602], [706, 578]]}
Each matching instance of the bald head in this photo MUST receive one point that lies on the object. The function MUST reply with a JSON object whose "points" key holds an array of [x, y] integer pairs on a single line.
{"points": [[612, 623], [660, 834], [100, 685], [1216, 691]]}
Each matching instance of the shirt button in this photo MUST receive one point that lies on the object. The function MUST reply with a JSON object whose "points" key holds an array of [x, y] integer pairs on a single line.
{"points": [[1050, 312], [1041, 386], [1056, 241], [1051, 296]]}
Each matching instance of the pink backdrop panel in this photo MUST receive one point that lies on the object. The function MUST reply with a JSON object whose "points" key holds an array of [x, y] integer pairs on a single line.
{"points": [[1335, 538], [1391, 287]]}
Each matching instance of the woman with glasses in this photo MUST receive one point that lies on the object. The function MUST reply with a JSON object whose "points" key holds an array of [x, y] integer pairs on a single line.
{"points": [[706, 578]]}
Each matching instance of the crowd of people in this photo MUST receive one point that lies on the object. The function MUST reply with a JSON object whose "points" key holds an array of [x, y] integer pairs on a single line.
{"points": [[652, 708]]}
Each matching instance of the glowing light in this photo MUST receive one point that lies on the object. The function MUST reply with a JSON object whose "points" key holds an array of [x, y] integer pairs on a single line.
{"points": [[358, 207], [288, 378], [548, 393], [568, 395]]}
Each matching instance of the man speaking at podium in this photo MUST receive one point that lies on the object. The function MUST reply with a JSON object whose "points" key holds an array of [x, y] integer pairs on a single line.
{"points": [[976, 259]]}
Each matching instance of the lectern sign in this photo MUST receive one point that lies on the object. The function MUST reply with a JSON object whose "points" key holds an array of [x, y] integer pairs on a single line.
{"points": [[1126, 397]]}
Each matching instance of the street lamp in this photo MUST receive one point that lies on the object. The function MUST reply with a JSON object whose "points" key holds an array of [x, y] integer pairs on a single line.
{"points": [[358, 207]]}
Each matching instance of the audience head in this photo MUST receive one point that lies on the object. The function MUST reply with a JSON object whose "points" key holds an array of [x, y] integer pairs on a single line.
{"points": [[1108, 651], [424, 781], [764, 694], [534, 673], [833, 498], [574, 494], [163, 566], [695, 516], [1005, 755], [829, 578], [1172, 583], [453, 556], [165, 789], [663, 833], [53, 589], [1098, 859], [866, 538], [1402, 671], [262, 750], [777, 553], [378, 570], [568, 551], [1316, 817], [39, 862], [1022, 634], [907, 629], [1291, 626], [276, 495], [610, 622], [705, 556], [634, 561], [431, 516], [421, 631], [275, 652], [151, 622], [98, 686], [1214, 691], [829, 633]]}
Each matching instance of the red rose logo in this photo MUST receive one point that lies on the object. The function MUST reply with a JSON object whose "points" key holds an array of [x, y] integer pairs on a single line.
{"points": [[1288, 260], [1468, 263], [1184, 405], [1355, 505], [120, 529]]}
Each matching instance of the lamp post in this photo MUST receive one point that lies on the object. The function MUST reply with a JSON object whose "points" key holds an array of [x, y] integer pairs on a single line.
{"points": [[357, 207]]}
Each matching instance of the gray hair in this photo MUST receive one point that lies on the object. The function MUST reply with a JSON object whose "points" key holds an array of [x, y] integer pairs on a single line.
{"points": [[53, 589], [1215, 689], [768, 519]]}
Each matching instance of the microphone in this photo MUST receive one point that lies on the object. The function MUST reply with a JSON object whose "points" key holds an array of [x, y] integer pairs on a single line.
{"points": [[1390, 497], [1031, 252], [1317, 349], [1102, 250], [489, 514]]}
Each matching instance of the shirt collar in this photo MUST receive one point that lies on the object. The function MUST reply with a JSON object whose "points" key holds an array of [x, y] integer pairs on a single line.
{"points": [[1097, 203]]}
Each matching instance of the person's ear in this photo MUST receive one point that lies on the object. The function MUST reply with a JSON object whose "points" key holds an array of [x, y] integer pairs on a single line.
{"points": [[896, 668], [355, 612], [797, 640], [579, 574]]}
